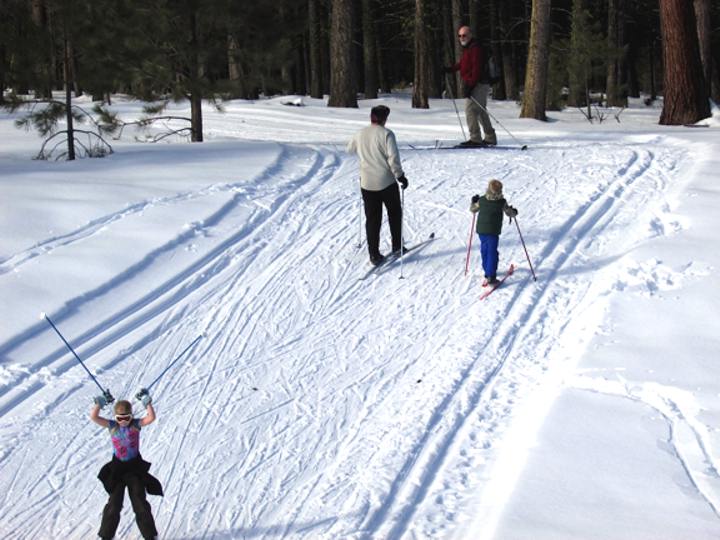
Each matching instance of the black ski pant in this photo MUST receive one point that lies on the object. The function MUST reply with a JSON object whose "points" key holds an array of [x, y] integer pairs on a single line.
{"points": [[143, 512], [374, 201]]}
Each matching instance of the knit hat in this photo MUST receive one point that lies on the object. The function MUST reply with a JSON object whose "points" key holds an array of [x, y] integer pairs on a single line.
{"points": [[123, 407], [494, 190], [379, 113]]}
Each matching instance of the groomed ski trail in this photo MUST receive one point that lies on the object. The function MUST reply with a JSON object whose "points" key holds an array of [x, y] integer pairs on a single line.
{"points": [[314, 394]]}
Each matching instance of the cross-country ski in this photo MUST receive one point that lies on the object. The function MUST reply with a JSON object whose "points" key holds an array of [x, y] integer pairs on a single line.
{"points": [[489, 288]]}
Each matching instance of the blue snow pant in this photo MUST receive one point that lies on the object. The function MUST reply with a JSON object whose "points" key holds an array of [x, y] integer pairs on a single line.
{"points": [[489, 253]]}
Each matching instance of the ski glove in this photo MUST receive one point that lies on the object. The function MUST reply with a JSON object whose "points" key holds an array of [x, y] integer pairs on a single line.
{"points": [[103, 400], [475, 199], [467, 90], [403, 181], [448, 69], [144, 396], [511, 211]]}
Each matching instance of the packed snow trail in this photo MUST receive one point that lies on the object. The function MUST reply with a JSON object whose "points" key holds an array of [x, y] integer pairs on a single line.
{"points": [[318, 406]]}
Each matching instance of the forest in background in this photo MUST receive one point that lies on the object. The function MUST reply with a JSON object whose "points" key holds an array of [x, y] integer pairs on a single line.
{"points": [[551, 54]]}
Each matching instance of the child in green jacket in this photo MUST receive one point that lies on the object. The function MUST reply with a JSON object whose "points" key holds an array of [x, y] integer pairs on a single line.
{"points": [[490, 209]]}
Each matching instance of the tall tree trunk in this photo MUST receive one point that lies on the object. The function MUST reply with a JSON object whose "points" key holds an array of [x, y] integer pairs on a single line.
{"points": [[421, 83], [715, 87], [577, 73], [316, 71], [2, 73], [473, 17], [496, 47], [299, 67], [457, 22], [196, 73], [383, 81], [508, 58], [67, 72], [704, 31], [306, 64], [611, 80], [624, 49], [235, 69], [369, 49], [39, 14], [617, 53], [653, 82], [324, 18], [342, 93], [448, 42], [536, 76], [196, 119], [74, 68], [631, 67], [685, 93]]}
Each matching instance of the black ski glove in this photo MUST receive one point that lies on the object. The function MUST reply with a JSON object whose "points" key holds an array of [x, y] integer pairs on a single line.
{"points": [[475, 198], [467, 90], [403, 182]]}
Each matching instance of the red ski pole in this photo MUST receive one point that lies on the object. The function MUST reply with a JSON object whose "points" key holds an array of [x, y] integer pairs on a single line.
{"points": [[472, 228], [526, 251]]}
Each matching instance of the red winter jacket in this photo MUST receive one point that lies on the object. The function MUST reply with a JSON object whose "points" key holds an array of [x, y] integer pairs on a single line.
{"points": [[472, 64]]}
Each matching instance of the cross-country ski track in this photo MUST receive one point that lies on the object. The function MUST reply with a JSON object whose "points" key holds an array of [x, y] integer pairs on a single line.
{"points": [[379, 404]]}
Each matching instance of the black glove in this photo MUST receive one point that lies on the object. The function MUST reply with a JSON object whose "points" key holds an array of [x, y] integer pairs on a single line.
{"points": [[467, 90], [475, 198], [512, 211], [403, 182], [448, 69]]}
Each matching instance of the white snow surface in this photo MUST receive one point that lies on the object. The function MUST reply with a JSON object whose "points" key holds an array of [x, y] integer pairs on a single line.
{"points": [[317, 404]]}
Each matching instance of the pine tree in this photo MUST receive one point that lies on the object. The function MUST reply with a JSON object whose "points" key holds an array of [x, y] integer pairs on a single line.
{"points": [[370, 53], [342, 91], [536, 76], [685, 93], [587, 48], [423, 70]]}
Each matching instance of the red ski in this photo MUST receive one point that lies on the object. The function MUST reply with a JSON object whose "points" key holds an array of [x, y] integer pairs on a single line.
{"points": [[490, 289]]}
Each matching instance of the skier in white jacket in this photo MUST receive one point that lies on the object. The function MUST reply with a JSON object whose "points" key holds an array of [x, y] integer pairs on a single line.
{"points": [[380, 173]]}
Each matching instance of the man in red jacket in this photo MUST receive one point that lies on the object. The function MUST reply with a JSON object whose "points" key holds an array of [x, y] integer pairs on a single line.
{"points": [[476, 88]]}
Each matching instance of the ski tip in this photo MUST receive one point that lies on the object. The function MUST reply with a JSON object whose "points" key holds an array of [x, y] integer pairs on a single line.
{"points": [[43, 315], [432, 235], [524, 147]]}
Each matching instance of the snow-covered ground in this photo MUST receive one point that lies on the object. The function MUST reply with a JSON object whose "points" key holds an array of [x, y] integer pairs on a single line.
{"points": [[585, 404]]}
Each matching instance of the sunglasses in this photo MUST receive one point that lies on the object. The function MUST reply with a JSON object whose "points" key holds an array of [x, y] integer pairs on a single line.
{"points": [[463, 35], [123, 417]]}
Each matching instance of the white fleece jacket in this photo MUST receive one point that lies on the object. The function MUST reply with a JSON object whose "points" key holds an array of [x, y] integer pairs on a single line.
{"points": [[379, 158]]}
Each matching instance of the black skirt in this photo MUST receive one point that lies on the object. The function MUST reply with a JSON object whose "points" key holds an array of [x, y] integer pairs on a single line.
{"points": [[116, 471]]}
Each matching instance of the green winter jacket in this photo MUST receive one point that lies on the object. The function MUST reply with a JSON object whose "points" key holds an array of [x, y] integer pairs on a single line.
{"points": [[490, 214]]}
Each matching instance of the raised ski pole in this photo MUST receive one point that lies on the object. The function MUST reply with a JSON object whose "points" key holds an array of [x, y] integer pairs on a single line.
{"points": [[106, 392], [148, 387], [470, 238], [526, 251], [522, 146], [447, 85]]}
